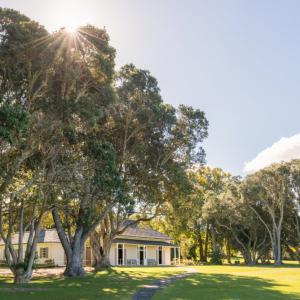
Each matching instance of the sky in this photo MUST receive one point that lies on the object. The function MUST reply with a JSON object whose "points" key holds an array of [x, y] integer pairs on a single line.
{"points": [[238, 60]]}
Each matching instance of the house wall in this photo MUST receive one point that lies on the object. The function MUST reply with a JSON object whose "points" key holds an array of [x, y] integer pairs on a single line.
{"points": [[55, 251], [166, 255], [112, 254]]}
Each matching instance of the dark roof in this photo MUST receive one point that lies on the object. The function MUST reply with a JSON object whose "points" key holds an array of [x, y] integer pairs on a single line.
{"points": [[141, 242], [46, 236], [137, 230]]}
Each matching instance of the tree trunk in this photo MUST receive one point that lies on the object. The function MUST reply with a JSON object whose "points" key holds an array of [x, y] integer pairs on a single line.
{"points": [[201, 252], [206, 244], [73, 250], [277, 258], [228, 251], [96, 247], [20, 277], [104, 260], [248, 258], [213, 239], [74, 266]]}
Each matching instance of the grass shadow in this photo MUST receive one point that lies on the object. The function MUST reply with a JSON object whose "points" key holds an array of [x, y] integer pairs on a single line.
{"points": [[113, 283]]}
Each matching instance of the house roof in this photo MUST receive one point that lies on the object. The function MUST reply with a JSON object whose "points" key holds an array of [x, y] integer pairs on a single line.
{"points": [[142, 242], [136, 230], [46, 236]]}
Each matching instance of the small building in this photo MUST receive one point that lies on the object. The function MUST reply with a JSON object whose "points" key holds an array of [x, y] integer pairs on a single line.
{"points": [[136, 246], [143, 246]]}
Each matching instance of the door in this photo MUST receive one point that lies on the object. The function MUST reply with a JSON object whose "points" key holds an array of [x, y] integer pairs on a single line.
{"points": [[141, 255], [120, 254], [160, 255], [88, 256]]}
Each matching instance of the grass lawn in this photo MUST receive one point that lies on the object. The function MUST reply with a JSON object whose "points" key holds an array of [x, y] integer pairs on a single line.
{"points": [[212, 282], [117, 283], [237, 283]]}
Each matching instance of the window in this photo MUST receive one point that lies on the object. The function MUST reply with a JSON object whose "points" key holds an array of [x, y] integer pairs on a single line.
{"points": [[43, 252]]}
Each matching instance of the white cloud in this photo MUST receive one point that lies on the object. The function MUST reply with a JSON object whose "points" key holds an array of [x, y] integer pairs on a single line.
{"points": [[284, 150]]}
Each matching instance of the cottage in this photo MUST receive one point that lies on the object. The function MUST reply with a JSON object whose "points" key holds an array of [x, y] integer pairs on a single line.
{"points": [[136, 246]]}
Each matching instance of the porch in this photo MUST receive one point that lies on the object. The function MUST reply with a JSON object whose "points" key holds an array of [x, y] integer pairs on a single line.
{"points": [[144, 253]]}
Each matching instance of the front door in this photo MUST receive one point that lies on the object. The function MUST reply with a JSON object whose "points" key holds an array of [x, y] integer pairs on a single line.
{"points": [[142, 255], [160, 255], [120, 254]]}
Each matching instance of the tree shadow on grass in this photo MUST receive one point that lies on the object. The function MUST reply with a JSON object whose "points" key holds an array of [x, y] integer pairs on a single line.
{"points": [[224, 287], [107, 284]]}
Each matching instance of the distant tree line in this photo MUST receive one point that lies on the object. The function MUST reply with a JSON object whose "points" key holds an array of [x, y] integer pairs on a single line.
{"points": [[256, 216]]}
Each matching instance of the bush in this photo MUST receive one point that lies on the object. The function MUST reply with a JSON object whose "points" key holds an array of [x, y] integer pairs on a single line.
{"points": [[3, 263], [49, 263], [216, 258]]}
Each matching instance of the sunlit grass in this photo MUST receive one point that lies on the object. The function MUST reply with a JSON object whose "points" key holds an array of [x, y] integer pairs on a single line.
{"points": [[227, 282], [117, 283], [237, 282]]}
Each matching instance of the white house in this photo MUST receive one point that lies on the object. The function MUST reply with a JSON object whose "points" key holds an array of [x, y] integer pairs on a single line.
{"points": [[136, 246]]}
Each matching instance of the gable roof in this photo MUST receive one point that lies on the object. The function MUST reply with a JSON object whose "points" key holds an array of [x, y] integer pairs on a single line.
{"points": [[135, 230], [46, 236], [138, 231], [149, 243]]}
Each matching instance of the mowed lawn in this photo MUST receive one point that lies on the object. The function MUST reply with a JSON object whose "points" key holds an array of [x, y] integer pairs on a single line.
{"points": [[237, 283], [117, 283], [211, 282]]}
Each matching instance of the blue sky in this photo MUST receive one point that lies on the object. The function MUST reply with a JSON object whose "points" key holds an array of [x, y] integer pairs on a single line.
{"points": [[237, 60]]}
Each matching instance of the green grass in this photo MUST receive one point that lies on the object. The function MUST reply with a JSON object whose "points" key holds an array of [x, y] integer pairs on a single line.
{"points": [[117, 283], [211, 283], [237, 283]]}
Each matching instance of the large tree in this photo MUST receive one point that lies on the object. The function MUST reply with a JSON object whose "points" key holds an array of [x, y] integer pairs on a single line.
{"points": [[86, 184], [155, 144], [23, 194]]}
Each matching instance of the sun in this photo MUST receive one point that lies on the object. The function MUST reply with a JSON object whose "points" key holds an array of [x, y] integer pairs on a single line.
{"points": [[72, 28], [70, 15]]}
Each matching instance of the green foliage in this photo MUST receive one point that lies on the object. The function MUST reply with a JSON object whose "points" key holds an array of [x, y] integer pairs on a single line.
{"points": [[216, 258], [13, 122]]}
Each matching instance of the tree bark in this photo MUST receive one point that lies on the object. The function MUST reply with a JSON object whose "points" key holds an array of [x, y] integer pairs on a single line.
{"points": [[213, 238], [201, 252], [104, 261], [20, 277], [228, 250], [74, 250], [206, 243], [74, 267], [101, 251]]}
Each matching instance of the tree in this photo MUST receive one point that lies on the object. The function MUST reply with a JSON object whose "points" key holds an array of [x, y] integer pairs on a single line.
{"points": [[23, 196], [268, 194], [155, 144], [86, 182]]}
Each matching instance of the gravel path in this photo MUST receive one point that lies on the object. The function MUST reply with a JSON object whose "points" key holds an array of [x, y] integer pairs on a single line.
{"points": [[148, 291]]}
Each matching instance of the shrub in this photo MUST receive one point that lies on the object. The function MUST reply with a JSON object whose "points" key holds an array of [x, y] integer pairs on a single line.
{"points": [[216, 258]]}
